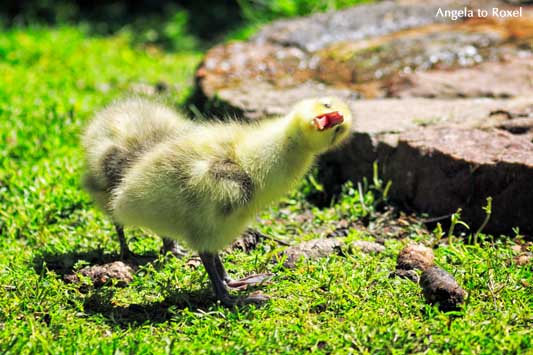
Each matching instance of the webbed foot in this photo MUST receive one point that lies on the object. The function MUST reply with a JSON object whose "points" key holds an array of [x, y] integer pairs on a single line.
{"points": [[251, 280], [220, 280]]}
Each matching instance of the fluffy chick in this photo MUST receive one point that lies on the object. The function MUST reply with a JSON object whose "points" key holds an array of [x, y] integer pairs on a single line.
{"points": [[203, 183]]}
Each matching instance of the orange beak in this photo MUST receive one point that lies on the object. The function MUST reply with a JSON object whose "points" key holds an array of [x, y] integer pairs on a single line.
{"points": [[328, 120]]}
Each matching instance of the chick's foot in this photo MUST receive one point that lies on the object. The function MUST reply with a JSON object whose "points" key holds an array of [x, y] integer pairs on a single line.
{"points": [[251, 280]]}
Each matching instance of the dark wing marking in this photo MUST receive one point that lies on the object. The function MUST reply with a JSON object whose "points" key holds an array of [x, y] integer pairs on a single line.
{"points": [[227, 169], [114, 164]]}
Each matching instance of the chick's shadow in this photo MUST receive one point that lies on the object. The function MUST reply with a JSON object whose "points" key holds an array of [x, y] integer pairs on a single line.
{"points": [[63, 264], [100, 300]]}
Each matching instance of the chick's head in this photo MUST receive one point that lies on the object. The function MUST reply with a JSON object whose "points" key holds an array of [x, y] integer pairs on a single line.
{"points": [[323, 122]]}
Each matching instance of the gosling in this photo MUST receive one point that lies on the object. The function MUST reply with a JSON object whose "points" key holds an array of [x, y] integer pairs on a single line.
{"points": [[202, 183]]}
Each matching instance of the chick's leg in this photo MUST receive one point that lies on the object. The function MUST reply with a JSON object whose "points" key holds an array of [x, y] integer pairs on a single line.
{"points": [[124, 251], [208, 259], [241, 284], [172, 246], [221, 270]]}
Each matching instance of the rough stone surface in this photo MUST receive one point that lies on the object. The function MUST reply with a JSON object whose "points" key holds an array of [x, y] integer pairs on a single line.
{"points": [[439, 287], [364, 67], [445, 107], [493, 79], [361, 22], [438, 170]]}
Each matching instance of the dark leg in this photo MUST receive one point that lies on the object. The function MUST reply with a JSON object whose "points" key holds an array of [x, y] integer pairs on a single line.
{"points": [[124, 251], [220, 269], [217, 275], [208, 259], [173, 247], [240, 284]]}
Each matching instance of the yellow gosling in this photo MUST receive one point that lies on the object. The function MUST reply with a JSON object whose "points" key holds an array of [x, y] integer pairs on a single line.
{"points": [[202, 183]]}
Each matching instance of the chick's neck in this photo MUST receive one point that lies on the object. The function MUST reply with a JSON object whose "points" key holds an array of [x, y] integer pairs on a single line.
{"points": [[276, 154]]}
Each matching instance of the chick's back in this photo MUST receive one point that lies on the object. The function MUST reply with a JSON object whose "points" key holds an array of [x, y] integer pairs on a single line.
{"points": [[118, 136], [189, 188]]}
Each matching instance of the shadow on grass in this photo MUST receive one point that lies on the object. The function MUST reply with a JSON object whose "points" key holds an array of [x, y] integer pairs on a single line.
{"points": [[100, 302], [63, 263]]}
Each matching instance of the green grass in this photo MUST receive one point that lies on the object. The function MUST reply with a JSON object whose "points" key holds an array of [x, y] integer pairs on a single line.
{"points": [[51, 81], [267, 10]]}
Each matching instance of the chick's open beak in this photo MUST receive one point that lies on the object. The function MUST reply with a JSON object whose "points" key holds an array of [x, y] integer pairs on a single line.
{"points": [[328, 120]]}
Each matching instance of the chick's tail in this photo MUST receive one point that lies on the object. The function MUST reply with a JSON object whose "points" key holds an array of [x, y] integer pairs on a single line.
{"points": [[122, 133]]}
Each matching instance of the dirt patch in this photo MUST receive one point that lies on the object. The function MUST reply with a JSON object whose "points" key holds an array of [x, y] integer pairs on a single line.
{"points": [[100, 275]]}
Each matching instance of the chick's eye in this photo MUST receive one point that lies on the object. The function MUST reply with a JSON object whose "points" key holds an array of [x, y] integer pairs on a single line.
{"points": [[327, 105]]}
